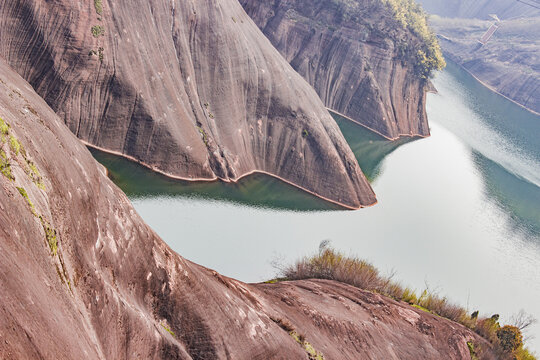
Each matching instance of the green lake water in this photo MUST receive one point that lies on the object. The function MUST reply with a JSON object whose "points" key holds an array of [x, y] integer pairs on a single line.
{"points": [[458, 211]]}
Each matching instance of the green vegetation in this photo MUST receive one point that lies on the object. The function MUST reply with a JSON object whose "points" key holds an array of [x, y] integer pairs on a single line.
{"points": [[98, 5], [411, 16], [472, 351], [203, 135], [4, 127], [24, 194], [15, 145], [168, 330], [312, 353], [305, 133], [97, 31], [426, 56], [50, 235], [5, 166], [100, 54], [34, 174], [16, 149], [510, 338], [310, 350], [332, 265], [274, 281]]}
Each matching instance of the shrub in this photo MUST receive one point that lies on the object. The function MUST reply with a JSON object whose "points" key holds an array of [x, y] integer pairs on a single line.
{"points": [[409, 296], [203, 135], [97, 31], [98, 5], [50, 235], [332, 265], [14, 144], [24, 194], [510, 338], [35, 175], [5, 166], [472, 350], [487, 328], [411, 16], [4, 127], [168, 329], [523, 354]]}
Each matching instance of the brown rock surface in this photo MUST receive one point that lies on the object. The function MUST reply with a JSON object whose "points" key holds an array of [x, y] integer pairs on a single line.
{"points": [[113, 290], [353, 59], [190, 88]]}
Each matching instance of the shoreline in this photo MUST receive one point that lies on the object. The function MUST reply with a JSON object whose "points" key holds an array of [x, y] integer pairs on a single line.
{"points": [[375, 131], [216, 178], [489, 87]]}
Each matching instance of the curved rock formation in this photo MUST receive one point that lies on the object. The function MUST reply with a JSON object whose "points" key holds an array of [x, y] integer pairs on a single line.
{"points": [[189, 88], [84, 278], [354, 59]]}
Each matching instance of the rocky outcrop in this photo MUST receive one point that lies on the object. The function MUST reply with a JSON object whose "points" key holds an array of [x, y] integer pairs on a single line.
{"points": [[189, 88], [354, 56], [84, 278]]}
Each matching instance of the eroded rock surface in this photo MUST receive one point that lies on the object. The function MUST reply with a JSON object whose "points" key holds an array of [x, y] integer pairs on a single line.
{"points": [[190, 88], [82, 276], [355, 59]]}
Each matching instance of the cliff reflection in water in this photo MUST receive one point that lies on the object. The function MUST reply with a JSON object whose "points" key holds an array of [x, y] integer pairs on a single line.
{"points": [[258, 190]]}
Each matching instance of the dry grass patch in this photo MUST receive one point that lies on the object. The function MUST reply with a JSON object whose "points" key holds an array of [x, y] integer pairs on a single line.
{"points": [[330, 264]]}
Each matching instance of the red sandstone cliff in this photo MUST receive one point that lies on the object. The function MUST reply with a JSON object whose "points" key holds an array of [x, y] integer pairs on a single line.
{"points": [[190, 88], [354, 56], [82, 276]]}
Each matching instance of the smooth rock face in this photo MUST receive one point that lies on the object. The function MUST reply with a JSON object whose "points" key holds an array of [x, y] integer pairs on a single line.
{"points": [[189, 88], [352, 59], [114, 290]]}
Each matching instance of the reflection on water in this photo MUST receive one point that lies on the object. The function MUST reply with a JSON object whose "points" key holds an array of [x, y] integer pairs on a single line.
{"points": [[368, 147], [258, 190], [504, 139], [517, 197], [490, 124], [459, 210]]}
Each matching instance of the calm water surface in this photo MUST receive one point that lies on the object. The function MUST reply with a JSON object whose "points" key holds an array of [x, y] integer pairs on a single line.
{"points": [[458, 212]]}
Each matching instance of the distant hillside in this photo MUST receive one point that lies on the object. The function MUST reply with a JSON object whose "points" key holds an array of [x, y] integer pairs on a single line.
{"points": [[479, 9], [509, 62]]}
